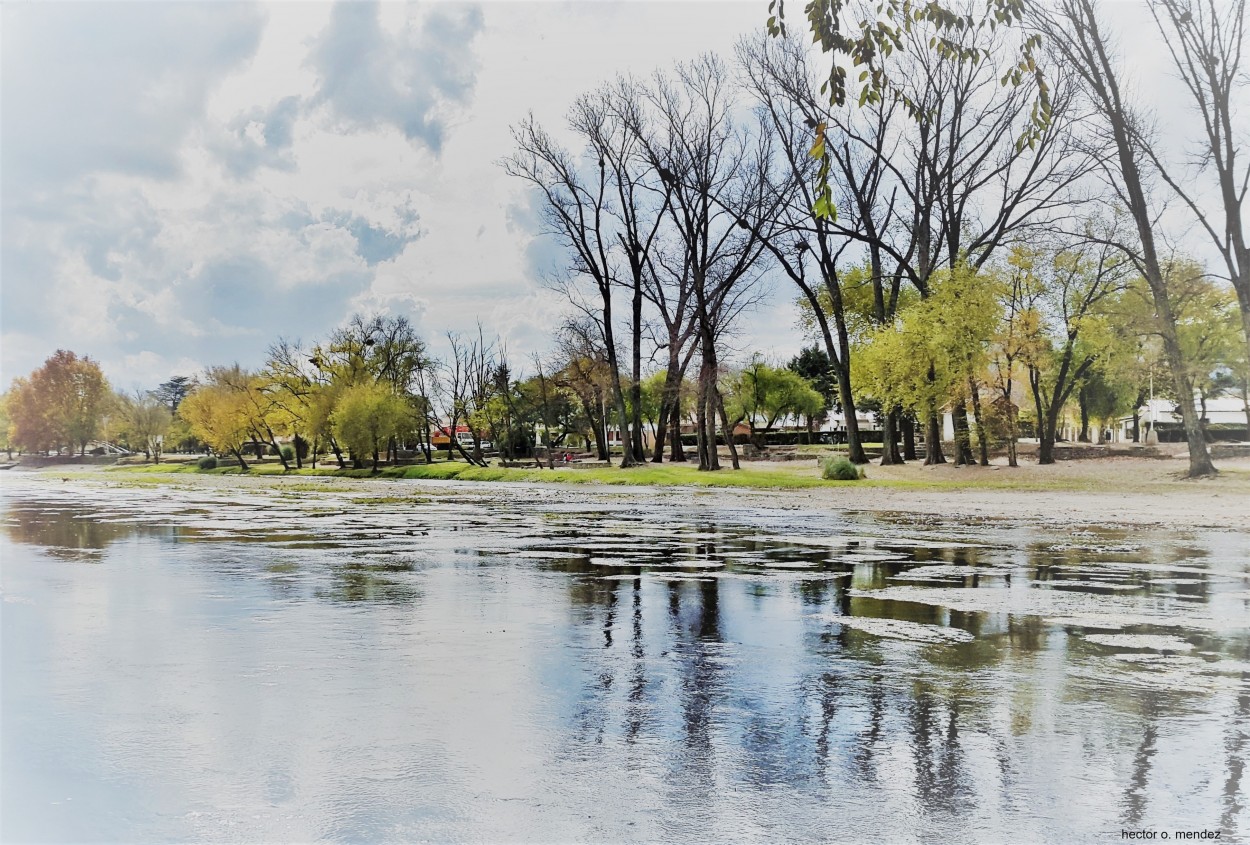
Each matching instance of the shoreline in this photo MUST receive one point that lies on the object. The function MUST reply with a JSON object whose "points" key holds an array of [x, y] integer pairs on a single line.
{"points": [[1108, 492]]}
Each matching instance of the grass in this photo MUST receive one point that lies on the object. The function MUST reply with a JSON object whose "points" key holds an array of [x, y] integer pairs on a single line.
{"points": [[647, 475], [1092, 477]]}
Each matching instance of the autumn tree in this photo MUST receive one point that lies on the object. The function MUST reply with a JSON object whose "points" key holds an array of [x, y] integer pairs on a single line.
{"points": [[60, 404], [931, 357], [365, 417], [6, 426], [146, 419], [220, 416], [1064, 323]]}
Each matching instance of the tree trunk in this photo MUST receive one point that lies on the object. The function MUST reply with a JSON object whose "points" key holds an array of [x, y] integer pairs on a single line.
{"points": [[1200, 465], [1082, 402], [635, 385], [1013, 431], [238, 453], [709, 459], [897, 420], [273, 441], [838, 354], [982, 444], [1245, 404], [963, 435], [1048, 433], [700, 423], [661, 433], [933, 438], [676, 448], [1046, 448], [670, 402], [908, 423], [854, 445], [889, 456], [618, 395], [338, 453], [726, 427]]}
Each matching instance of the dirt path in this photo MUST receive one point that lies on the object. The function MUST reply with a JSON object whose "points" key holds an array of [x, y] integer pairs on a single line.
{"points": [[1119, 491]]}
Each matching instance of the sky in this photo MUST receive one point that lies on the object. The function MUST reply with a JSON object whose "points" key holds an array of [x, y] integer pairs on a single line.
{"points": [[183, 183]]}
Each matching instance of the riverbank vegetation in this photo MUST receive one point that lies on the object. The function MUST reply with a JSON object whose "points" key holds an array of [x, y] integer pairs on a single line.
{"points": [[974, 238]]}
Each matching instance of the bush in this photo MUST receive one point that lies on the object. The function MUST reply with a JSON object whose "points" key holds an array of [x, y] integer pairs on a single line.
{"points": [[288, 452], [207, 462], [839, 469]]}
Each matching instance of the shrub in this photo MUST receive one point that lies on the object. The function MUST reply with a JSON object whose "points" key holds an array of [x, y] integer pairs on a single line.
{"points": [[207, 462], [288, 452], [839, 469]]}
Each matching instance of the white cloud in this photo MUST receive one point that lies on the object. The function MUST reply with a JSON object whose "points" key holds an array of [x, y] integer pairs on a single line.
{"points": [[371, 77], [186, 182]]}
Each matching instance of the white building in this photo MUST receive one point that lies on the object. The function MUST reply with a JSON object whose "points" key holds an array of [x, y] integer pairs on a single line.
{"points": [[1228, 410]]}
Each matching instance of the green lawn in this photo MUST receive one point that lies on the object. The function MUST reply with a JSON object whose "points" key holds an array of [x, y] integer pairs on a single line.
{"points": [[1093, 477], [667, 475]]}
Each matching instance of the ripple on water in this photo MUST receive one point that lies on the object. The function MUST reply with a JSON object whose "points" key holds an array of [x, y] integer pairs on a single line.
{"points": [[901, 629], [1154, 642]]}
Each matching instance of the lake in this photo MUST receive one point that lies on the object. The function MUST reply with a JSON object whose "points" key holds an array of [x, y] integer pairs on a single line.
{"points": [[449, 662]]}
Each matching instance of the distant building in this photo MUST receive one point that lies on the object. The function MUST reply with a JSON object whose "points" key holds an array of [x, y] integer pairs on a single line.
{"points": [[1225, 412]]}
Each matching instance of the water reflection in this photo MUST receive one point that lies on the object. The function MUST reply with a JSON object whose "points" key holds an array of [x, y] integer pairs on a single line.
{"points": [[74, 535], [1136, 795], [1235, 742], [574, 673]]}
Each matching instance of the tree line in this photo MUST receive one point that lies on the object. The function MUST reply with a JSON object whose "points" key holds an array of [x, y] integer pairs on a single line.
{"points": [[967, 203], [370, 392], [979, 134]]}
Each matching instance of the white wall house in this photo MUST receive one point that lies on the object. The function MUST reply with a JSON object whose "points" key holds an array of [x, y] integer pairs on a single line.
{"points": [[1227, 410]]}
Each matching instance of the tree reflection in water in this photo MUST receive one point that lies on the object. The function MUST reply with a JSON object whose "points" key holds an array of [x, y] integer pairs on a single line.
{"points": [[1136, 791], [693, 674], [73, 534], [1236, 734]]}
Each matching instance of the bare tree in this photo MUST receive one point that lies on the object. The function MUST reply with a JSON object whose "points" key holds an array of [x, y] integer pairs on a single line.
{"points": [[578, 210], [715, 169], [669, 288], [461, 377], [1205, 40], [611, 119], [927, 173], [291, 384], [1075, 33], [808, 244]]}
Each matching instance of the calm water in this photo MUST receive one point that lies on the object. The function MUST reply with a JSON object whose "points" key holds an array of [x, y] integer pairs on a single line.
{"points": [[521, 664]]}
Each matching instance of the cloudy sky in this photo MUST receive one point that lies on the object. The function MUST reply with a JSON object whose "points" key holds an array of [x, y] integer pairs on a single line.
{"points": [[182, 183], [185, 182]]}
